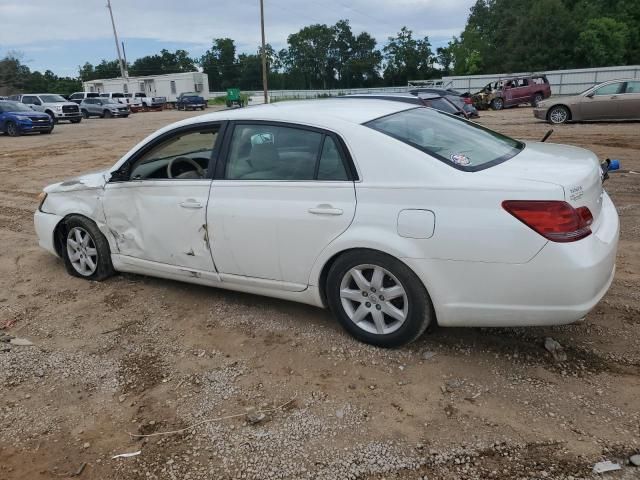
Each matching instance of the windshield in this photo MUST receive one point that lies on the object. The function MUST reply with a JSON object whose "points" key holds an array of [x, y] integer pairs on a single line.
{"points": [[461, 144], [14, 107], [52, 98]]}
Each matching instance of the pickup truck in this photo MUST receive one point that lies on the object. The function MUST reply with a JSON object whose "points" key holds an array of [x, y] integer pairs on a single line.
{"points": [[149, 102], [190, 101]]}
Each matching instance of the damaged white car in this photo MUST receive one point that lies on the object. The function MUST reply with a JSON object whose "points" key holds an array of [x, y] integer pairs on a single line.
{"points": [[392, 216]]}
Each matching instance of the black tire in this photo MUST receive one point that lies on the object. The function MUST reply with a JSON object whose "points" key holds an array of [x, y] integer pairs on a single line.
{"points": [[558, 114], [76, 120], [106, 114], [12, 129], [54, 120], [419, 309], [125, 116], [85, 114], [47, 132], [537, 98], [104, 268], [497, 103], [202, 108]]}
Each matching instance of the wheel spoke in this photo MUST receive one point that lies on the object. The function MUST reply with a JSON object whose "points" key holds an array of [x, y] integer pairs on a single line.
{"points": [[92, 251], [72, 242], [361, 281], [376, 279], [349, 294], [360, 313], [73, 257], [83, 263], [392, 292], [78, 235], [90, 263], [85, 240], [392, 311], [378, 319]]}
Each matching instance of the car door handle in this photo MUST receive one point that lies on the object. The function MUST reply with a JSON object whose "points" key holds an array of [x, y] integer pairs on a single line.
{"points": [[190, 204], [325, 210]]}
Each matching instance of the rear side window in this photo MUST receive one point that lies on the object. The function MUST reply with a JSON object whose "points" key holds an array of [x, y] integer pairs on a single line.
{"points": [[633, 87], [460, 144], [274, 152]]}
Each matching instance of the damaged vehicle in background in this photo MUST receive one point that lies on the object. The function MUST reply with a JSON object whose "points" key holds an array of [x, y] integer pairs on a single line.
{"points": [[513, 91], [454, 224], [462, 100], [607, 101]]}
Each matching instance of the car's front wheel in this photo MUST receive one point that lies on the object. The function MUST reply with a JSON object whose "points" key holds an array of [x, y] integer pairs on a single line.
{"points": [[378, 299], [85, 249], [85, 114], [12, 129], [558, 114], [497, 104]]}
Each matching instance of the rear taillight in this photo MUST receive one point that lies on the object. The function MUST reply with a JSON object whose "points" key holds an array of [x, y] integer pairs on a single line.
{"points": [[467, 100], [554, 220]]}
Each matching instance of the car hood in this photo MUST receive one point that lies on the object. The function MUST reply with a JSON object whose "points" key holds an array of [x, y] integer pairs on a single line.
{"points": [[86, 181], [549, 102], [31, 114]]}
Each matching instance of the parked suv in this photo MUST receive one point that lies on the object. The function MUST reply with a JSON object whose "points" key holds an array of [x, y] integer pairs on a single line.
{"points": [[77, 97], [53, 105], [16, 119], [513, 91], [103, 107]]}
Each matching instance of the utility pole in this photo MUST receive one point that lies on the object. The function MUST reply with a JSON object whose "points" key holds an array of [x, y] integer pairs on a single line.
{"points": [[123, 66], [264, 55]]}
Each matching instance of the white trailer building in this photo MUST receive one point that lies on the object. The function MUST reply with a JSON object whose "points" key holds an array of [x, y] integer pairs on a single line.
{"points": [[169, 86]]}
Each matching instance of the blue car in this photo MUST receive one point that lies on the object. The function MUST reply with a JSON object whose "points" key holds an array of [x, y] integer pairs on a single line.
{"points": [[16, 119]]}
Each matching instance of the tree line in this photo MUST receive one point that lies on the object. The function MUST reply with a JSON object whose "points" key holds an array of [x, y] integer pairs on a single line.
{"points": [[500, 36]]}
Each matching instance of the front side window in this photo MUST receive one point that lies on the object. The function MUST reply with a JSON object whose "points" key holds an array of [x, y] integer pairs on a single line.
{"points": [[185, 155], [610, 89], [463, 145]]}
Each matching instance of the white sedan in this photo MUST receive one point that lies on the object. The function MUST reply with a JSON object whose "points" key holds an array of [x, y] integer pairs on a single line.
{"points": [[392, 216]]}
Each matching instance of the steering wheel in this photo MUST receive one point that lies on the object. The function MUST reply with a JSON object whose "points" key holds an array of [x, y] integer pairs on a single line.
{"points": [[188, 160]]}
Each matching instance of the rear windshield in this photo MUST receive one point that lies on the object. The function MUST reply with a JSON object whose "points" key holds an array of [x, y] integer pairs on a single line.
{"points": [[461, 144]]}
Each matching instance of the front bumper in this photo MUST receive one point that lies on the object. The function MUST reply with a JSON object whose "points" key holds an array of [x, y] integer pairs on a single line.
{"points": [[540, 113], [67, 116], [26, 126], [45, 224], [560, 285], [123, 113]]}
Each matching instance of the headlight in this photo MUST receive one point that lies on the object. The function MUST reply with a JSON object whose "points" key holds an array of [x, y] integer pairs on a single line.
{"points": [[42, 196], [22, 117], [59, 108]]}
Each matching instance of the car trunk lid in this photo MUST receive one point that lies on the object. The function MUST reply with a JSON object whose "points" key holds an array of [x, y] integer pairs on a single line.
{"points": [[575, 169]]}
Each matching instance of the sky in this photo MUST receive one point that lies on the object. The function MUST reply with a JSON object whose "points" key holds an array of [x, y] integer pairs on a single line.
{"points": [[60, 35]]}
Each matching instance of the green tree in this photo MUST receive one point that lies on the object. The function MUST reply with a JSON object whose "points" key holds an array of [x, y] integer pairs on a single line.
{"points": [[407, 58], [220, 64], [603, 42], [163, 63], [308, 56]]}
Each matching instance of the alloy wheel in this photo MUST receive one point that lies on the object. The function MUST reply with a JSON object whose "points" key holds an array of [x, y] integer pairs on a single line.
{"points": [[12, 129], [82, 251], [374, 299], [558, 115]]}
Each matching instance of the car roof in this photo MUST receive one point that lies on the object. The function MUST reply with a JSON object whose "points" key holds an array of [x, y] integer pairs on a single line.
{"points": [[322, 113]]}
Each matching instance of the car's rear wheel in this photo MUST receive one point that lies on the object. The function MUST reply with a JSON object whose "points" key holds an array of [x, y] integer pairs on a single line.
{"points": [[497, 104], [85, 249], [85, 114], [537, 98], [378, 299], [558, 114], [107, 114], [12, 129]]}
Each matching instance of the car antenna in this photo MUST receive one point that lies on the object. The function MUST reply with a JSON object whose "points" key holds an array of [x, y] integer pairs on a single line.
{"points": [[547, 135]]}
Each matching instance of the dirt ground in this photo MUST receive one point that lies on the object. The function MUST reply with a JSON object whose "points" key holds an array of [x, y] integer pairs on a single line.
{"points": [[137, 355]]}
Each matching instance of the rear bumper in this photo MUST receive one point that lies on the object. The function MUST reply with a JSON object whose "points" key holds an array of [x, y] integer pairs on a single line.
{"points": [[560, 285], [45, 225]]}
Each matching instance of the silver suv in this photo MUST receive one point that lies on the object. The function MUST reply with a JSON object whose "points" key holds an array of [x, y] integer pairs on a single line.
{"points": [[103, 107], [54, 105]]}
